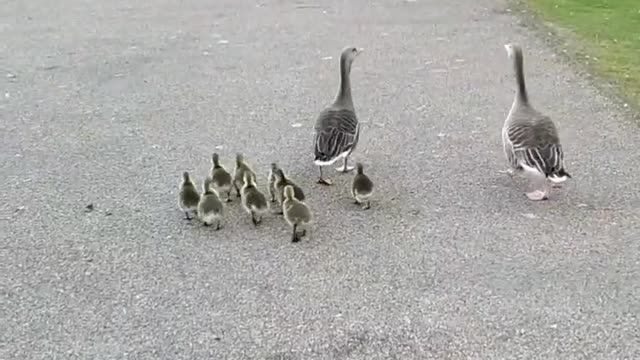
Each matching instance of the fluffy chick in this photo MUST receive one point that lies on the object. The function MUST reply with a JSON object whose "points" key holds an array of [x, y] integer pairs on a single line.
{"points": [[253, 200], [362, 187], [296, 213], [189, 196]]}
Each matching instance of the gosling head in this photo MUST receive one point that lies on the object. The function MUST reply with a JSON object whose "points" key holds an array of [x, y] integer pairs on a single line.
{"points": [[206, 185], [359, 169], [274, 167], [289, 193], [279, 174], [239, 158], [215, 159], [248, 179], [186, 177]]}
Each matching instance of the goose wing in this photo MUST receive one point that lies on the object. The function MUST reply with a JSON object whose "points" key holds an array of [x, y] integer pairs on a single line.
{"points": [[536, 146], [336, 132]]}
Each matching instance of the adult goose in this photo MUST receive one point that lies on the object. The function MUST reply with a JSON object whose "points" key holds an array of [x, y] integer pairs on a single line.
{"points": [[530, 138], [337, 130]]}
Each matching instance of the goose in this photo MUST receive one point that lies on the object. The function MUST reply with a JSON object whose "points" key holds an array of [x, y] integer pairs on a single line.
{"points": [[530, 139], [337, 130]]}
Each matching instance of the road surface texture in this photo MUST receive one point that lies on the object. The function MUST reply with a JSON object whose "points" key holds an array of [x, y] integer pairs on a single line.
{"points": [[108, 102]]}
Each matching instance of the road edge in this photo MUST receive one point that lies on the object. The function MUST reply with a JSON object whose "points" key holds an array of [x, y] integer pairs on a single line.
{"points": [[565, 44]]}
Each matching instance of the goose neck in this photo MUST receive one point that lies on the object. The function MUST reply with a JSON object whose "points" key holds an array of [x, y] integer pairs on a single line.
{"points": [[344, 95]]}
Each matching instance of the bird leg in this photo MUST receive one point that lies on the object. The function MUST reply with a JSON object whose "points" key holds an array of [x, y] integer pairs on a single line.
{"points": [[368, 206], [218, 225], [206, 224], [345, 168], [540, 188], [229, 195], [235, 185], [253, 218], [322, 180], [294, 236], [187, 217]]}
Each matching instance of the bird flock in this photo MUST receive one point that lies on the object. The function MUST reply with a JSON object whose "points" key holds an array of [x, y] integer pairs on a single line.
{"points": [[530, 142]]}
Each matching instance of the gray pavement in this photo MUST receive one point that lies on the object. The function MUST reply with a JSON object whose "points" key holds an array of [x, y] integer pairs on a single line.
{"points": [[107, 102]]}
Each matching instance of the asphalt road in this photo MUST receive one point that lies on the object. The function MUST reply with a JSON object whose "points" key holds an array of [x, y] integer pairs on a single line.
{"points": [[106, 103]]}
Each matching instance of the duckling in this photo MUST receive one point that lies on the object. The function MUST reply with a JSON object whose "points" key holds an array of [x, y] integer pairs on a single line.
{"points": [[272, 181], [220, 176], [210, 207], [296, 213], [253, 201], [281, 182], [189, 196], [241, 168], [361, 187]]}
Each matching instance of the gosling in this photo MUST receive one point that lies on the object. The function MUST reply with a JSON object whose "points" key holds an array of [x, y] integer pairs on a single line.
{"points": [[362, 187], [220, 176], [241, 168], [253, 201], [296, 213], [189, 196], [210, 207], [272, 182], [283, 181]]}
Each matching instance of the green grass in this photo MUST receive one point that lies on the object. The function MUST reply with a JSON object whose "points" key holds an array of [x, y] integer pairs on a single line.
{"points": [[607, 30]]}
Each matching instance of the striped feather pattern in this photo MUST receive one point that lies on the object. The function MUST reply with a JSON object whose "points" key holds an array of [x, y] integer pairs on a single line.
{"points": [[336, 131], [535, 144]]}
